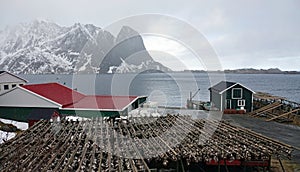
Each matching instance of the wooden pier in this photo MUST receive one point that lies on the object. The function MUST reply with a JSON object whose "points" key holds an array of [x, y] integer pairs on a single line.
{"points": [[170, 142]]}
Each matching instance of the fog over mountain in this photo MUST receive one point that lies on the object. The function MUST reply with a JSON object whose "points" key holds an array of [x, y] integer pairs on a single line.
{"points": [[41, 47]]}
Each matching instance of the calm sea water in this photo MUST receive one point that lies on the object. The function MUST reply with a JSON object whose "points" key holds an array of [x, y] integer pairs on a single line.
{"points": [[172, 89]]}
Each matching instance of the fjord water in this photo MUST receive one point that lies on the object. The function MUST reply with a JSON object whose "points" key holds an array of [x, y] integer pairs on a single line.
{"points": [[172, 89]]}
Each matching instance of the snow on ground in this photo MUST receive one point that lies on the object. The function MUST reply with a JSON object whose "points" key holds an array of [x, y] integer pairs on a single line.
{"points": [[6, 136], [75, 118], [144, 112], [19, 125]]}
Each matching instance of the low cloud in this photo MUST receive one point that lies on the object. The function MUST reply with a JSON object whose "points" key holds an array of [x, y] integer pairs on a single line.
{"points": [[249, 33]]}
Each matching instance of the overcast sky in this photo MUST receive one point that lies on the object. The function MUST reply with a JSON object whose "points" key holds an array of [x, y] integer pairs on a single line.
{"points": [[253, 33]]}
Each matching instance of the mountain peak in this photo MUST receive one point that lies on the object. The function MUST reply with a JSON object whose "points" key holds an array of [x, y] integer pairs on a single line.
{"points": [[127, 29], [126, 32], [41, 21], [42, 47]]}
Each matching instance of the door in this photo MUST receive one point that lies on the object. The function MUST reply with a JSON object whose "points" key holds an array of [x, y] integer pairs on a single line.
{"points": [[228, 104]]}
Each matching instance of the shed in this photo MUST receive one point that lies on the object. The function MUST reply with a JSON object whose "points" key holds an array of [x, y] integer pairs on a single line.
{"points": [[231, 96]]}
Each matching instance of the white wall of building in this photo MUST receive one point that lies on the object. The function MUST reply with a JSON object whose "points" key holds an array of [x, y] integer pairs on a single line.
{"points": [[18, 97], [8, 82]]}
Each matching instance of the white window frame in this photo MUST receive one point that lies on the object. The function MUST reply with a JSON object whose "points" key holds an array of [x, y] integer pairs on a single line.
{"points": [[241, 102], [237, 89]]}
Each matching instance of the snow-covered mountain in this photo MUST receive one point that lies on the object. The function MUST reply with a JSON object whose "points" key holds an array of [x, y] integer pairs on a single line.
{"points": [[44, 47]]}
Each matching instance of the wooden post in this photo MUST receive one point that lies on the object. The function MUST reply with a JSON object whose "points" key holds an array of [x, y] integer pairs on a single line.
{"points": [[219, 168], [283, 170]]}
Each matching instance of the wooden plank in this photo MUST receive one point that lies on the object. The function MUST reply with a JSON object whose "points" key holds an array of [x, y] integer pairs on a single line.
{"points": [[295, 110], [54, 145], [263, 108], [266, 110]]}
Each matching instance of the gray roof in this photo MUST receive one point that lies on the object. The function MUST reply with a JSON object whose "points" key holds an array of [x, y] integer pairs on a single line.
{"points": [[221, 86], [224, 85]]}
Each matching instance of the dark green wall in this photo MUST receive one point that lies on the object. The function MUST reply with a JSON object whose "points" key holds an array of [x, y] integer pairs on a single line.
{"points": [[16, 113], [247, 95], [22, 114], [88, 113], [142, 100]]}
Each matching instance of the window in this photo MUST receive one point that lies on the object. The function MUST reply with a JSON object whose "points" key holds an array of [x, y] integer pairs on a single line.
{"points": [[13, 86], [241, 102], [21, 84], [236, 93], [6, 87]]}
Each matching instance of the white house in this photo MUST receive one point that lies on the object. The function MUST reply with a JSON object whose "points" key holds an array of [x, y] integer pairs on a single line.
{"points": [[9, 81]]}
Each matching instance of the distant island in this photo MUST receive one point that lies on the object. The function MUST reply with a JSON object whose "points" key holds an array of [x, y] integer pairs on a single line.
{"points": [[261, 71], [249, 71]]}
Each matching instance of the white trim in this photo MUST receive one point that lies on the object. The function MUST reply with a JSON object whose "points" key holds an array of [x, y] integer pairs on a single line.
{"points": [[252, 103], [138, 97], [129, 104], [42, 97], [241, 104], [234, 86], [237, 89], [221, 102]]}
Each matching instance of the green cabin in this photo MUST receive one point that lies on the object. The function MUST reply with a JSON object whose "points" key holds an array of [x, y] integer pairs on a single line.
{"points": [[231, 96]]}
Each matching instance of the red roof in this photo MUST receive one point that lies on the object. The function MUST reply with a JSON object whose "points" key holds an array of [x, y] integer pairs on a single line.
{"points": [[56, 92], [72, 99], [103, 102]]}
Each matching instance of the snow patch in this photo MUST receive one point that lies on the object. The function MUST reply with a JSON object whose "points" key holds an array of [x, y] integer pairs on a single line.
{"points": [[5, 136], [127, 68], [83, 67], [112, 69], [19, 125], [144, 112], [75, 118]]}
